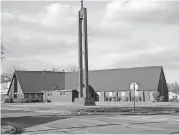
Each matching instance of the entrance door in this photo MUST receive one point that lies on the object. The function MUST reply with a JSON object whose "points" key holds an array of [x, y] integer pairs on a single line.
{"points": [[75, 94]]}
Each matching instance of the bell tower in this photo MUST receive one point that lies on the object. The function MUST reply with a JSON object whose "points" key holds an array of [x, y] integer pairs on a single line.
{"points": [[84, 93]]}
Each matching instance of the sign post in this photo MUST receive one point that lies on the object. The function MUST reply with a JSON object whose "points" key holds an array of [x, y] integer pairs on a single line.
{"points": [[134, 95], [134, 87]]}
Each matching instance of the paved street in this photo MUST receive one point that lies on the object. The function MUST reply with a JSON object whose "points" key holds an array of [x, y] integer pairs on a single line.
{"points": [[39, 119]]}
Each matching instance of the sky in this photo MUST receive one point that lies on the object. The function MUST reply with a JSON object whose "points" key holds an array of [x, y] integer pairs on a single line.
{"points": [[40, 35]]}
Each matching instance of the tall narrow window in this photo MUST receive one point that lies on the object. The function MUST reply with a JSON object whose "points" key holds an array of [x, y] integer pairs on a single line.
{"points": [[15, 96], [123, 94], [136, 93], [110, 94], [15, 85]]}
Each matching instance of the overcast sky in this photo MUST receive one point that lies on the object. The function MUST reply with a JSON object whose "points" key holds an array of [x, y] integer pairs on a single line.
{"points": [[122, 34]]}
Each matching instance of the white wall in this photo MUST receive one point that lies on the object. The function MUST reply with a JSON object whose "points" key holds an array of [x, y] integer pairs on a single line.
{"points": [[20, 94]]}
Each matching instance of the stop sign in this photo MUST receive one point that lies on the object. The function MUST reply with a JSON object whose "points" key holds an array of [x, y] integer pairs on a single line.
{"points": [[134, 86]]}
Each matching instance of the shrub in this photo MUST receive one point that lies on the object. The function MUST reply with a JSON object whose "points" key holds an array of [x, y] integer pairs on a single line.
{"points": [[7, 101], [132, 99], [157, 96], [127, 99], [161, 98], [114, 98], [26, 100], [11, 100], [139, 99], [119, 99], [108, 98], [48, 100]]}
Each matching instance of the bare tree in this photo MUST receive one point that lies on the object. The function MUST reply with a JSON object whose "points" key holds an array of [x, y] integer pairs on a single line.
{"points": [[68, 69], [2, 52], [173, 87], [55, 69], [8, 75], [72, 69]]}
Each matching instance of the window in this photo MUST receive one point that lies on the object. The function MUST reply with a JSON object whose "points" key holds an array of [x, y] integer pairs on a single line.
{"points": [[64, 93], [110, 93], [136, 93], [123, 93], [15, 96], [15, 85], [98, 93]]}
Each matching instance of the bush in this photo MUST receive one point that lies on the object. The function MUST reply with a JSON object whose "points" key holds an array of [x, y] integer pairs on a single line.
{"points": [[7, 101], [114, 98], [133, 98], [27, 101], [157, 96], [33, 101], [108, 98], [48, 100], [139, 99], [119, 99], [127, 99], [11, 100], [161, 98]]}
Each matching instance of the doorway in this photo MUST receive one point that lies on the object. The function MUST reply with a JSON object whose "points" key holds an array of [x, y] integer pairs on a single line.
{"points": [[75, 94]]}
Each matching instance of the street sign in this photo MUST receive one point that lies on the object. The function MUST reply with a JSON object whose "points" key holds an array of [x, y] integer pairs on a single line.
{"points": [[134, 86]]}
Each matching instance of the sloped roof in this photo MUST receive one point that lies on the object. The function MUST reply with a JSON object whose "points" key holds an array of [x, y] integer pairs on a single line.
{"points": [[101, 80], [118, 79], [37, 81]]}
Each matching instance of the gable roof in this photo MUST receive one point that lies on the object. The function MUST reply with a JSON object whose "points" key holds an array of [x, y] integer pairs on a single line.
{"points": [[119, 79], [38, 81], [101, 80]]}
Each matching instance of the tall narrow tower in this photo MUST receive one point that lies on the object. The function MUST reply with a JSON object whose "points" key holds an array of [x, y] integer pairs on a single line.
{"points": [[83, 57]]}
